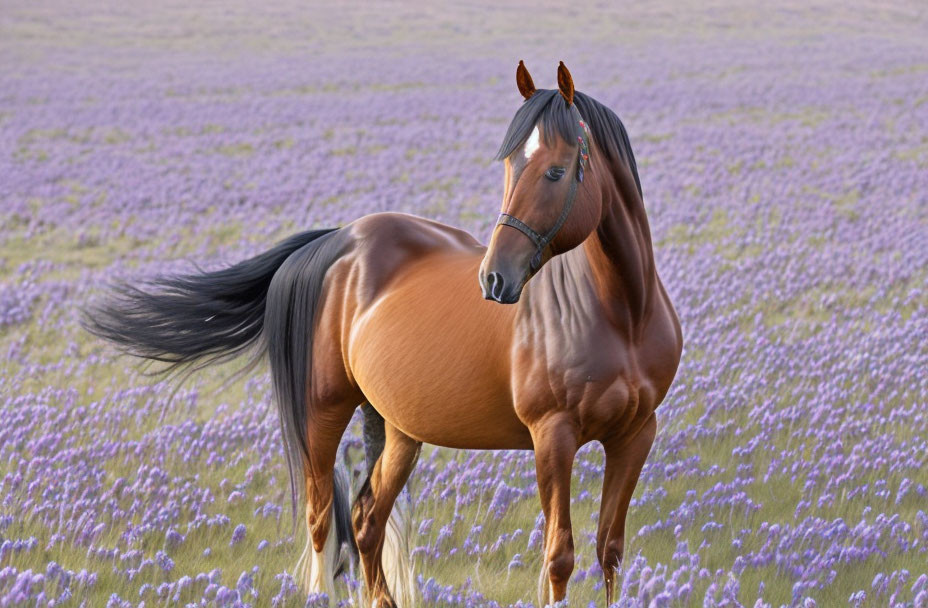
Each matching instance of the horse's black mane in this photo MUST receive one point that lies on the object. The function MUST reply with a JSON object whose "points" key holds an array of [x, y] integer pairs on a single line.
{"points": [[548, 107]]}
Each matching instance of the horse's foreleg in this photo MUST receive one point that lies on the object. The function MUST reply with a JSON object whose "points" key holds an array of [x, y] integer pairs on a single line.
{"points": [[555, 442], [624, 461], [317, 565], [372, 509]]}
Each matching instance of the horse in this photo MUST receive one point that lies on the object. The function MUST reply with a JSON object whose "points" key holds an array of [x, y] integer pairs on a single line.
{"points": [[570, 338]]}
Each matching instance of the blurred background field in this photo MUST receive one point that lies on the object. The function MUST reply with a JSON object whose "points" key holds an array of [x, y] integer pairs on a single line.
{"points": [[783, 152]]}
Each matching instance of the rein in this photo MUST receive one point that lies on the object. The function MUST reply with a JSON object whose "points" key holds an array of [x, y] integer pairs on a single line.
{"points": [[543, 240]]}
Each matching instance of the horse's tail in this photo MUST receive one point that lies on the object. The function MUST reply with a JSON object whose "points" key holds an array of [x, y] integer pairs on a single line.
{"points": [[293, 297], [266, 303], [199, 318]]}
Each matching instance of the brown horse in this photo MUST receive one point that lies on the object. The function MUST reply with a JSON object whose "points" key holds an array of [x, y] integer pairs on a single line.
{"points": [[387, 312]]}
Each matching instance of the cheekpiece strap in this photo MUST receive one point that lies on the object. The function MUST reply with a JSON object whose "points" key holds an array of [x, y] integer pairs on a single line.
{"points": [[542, 241]]}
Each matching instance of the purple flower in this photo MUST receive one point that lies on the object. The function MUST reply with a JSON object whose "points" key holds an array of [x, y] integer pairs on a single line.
{"points": [[164, 562], [238, 535]]}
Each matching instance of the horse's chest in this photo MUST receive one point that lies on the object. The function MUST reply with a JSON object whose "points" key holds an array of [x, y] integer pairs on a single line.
{"points": [[592, 376]]}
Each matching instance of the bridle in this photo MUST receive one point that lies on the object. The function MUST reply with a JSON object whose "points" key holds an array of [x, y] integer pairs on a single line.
{"points": [[543, 240]]}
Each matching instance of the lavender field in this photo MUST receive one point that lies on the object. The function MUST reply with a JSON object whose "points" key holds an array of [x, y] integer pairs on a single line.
{"points": [[783, 155]]}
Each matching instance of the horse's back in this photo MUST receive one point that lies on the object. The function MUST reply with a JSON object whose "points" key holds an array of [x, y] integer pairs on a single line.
{"points": [[382, 233]]}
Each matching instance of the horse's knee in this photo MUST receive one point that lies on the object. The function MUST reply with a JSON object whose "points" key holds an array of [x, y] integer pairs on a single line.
{"points": [[612, 554], [363, 520], [319, 533], [318, 515], [367, 535], [561, 561], [560, 567]]}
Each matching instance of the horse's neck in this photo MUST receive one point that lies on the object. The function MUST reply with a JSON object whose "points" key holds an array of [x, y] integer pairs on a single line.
{"points": [[620, 256]]}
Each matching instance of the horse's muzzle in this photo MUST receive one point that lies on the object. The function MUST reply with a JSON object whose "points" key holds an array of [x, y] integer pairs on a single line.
{"points": [[506, 266], [497, 288], [494, 288]]}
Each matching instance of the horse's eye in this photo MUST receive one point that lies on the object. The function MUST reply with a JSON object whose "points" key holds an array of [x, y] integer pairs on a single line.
{"points": [[555, 173]]}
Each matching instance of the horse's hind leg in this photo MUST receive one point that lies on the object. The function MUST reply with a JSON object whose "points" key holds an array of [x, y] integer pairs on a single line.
{"points": [[317, 565], [374, 431], [555, 440], [624, 461], [371, 511]]}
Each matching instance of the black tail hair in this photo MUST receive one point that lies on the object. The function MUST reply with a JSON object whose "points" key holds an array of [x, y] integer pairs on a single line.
{"points": [[341, 518], [267, 303], [199, 318], [292, 299]]}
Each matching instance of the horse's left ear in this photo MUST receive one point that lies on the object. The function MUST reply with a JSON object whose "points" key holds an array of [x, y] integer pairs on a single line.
{"points": [[565, 83], [524, 81]]}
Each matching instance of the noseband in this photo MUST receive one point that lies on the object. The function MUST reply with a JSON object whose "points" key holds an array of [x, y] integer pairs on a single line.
{"points": [[543, 240]]}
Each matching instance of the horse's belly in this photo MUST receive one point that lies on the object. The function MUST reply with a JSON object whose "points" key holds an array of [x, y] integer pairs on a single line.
{"points": [[433, 358], [429, 412]]}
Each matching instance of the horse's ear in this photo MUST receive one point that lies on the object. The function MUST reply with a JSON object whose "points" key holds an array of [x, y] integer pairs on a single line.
{"points": [[565, 83], [524, 80]]}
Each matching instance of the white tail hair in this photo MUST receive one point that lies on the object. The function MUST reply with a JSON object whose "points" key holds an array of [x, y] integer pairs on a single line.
{"points": [[545, 588], [315, 572], [397, 566], [544, 591]]}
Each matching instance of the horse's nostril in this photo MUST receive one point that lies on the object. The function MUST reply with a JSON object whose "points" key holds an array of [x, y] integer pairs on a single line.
{"points": [[495, 285]]}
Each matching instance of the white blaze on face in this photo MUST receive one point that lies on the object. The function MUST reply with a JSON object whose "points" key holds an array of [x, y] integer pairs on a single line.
{"points": [[532, 143]]}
